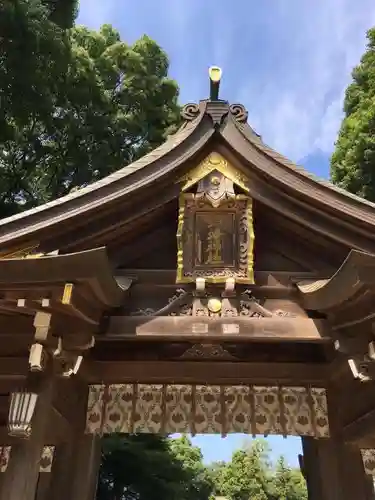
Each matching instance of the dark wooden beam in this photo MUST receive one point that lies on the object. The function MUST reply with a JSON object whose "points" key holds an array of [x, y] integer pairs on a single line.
{"points": [[13, 368], [18, 345], [239, 328], [211, 372], [52, 438], [277, 279], [360, 429], [145, 244], [70, 400], [104, 226]]}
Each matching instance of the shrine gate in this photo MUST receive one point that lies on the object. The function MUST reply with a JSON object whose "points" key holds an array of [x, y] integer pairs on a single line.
{"points": [[211, 286]]}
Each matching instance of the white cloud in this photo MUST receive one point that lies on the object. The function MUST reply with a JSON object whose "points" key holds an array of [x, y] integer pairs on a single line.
{"points": [[288, 61], [301, 111]]}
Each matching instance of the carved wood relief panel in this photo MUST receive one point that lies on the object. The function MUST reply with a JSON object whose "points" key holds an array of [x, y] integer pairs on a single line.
{"points": [[171, 408], [215, 234]]}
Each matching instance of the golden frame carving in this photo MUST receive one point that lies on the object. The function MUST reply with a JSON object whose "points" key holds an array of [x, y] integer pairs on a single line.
{"points": [[214, 161], [238, 206]]}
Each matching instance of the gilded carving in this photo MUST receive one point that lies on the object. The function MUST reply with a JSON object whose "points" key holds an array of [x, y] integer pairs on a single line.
{"points": [[215, 234], [214, 305], [215, 188], [22, 253], [214, 162]]}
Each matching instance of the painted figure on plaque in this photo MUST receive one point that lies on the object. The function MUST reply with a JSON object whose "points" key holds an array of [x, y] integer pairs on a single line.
{"points": [[214, 247], [215, 239]]}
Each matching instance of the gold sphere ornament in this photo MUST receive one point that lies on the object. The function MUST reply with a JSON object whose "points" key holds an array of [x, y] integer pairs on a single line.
{"points": [[214, 305]]}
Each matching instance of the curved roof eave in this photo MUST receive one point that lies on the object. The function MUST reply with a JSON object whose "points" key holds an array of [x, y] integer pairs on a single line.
{"points": [[90, 266], [189, 139], [357, 271], [292, 176], [201, 123]]}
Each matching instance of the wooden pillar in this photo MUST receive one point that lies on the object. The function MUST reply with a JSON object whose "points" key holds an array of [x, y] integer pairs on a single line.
{"points": [[75, 469], [334, 471], [60, 485], [21, 477], [43, 486], [88, 457]]}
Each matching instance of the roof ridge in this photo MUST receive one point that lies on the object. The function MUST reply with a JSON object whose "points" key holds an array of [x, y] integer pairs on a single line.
{"points": [[168, 145], [257, 141]]}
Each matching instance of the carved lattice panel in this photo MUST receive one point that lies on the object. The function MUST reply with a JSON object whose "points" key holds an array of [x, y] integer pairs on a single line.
{"points": [[154, 408]]}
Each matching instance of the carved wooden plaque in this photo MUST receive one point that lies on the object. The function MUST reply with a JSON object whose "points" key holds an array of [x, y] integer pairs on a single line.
{"points": [[215, 230], [215, 239]]}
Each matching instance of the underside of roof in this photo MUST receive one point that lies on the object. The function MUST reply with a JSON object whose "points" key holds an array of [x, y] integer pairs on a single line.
{"points": [[154, 180]]}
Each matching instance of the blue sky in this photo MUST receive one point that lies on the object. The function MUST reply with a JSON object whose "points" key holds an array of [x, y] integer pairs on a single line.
{"points": [[287, 61]]}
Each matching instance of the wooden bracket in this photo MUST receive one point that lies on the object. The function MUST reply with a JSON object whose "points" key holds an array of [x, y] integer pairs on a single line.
{"points": [[363, 366], [42, 323], [70, 361], [38, 356]]}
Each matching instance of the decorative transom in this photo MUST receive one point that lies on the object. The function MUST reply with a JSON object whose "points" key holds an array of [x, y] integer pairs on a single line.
{"points": [[198, 409]]}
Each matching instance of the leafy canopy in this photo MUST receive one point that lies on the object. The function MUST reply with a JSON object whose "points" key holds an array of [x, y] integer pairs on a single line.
{"points": [[76, 104], [149, 467], [353, 161]]}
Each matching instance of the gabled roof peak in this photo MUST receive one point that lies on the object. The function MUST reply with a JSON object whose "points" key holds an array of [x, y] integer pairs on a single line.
{"points": [[218, 110]]}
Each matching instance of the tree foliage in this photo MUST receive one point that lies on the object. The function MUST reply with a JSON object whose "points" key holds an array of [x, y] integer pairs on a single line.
{"points": [[76, 104], [287, 483], [148, 467], [353, 162], [198, 483], [250, 476]]}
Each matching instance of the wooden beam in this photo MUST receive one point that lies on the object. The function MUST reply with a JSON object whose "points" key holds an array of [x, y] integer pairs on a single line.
{"points": [[13, 368], [145, 244], [211, 372], [113, 221], [273, 329], [360, 429], [16, 324], [52, 437], [70, 400], [274, 279]]}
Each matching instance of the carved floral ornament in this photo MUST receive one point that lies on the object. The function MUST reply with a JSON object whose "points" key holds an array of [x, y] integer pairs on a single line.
{"points": [[158, 408], [215, 233], [187, 303]]}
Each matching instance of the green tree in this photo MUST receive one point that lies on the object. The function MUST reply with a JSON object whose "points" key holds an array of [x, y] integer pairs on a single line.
{"points": [[353, 161], [198, 483], [62, 12], [139, 467], [246, 476], [215, 472], [287, 483], [33, 56], [75, 104]]}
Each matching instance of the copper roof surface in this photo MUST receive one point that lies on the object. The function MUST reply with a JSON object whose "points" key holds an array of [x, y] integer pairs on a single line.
{"points": [[208, 121]]}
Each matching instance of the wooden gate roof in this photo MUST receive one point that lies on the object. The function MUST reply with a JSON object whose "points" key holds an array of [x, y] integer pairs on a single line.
{"points": [[275, 181]]}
